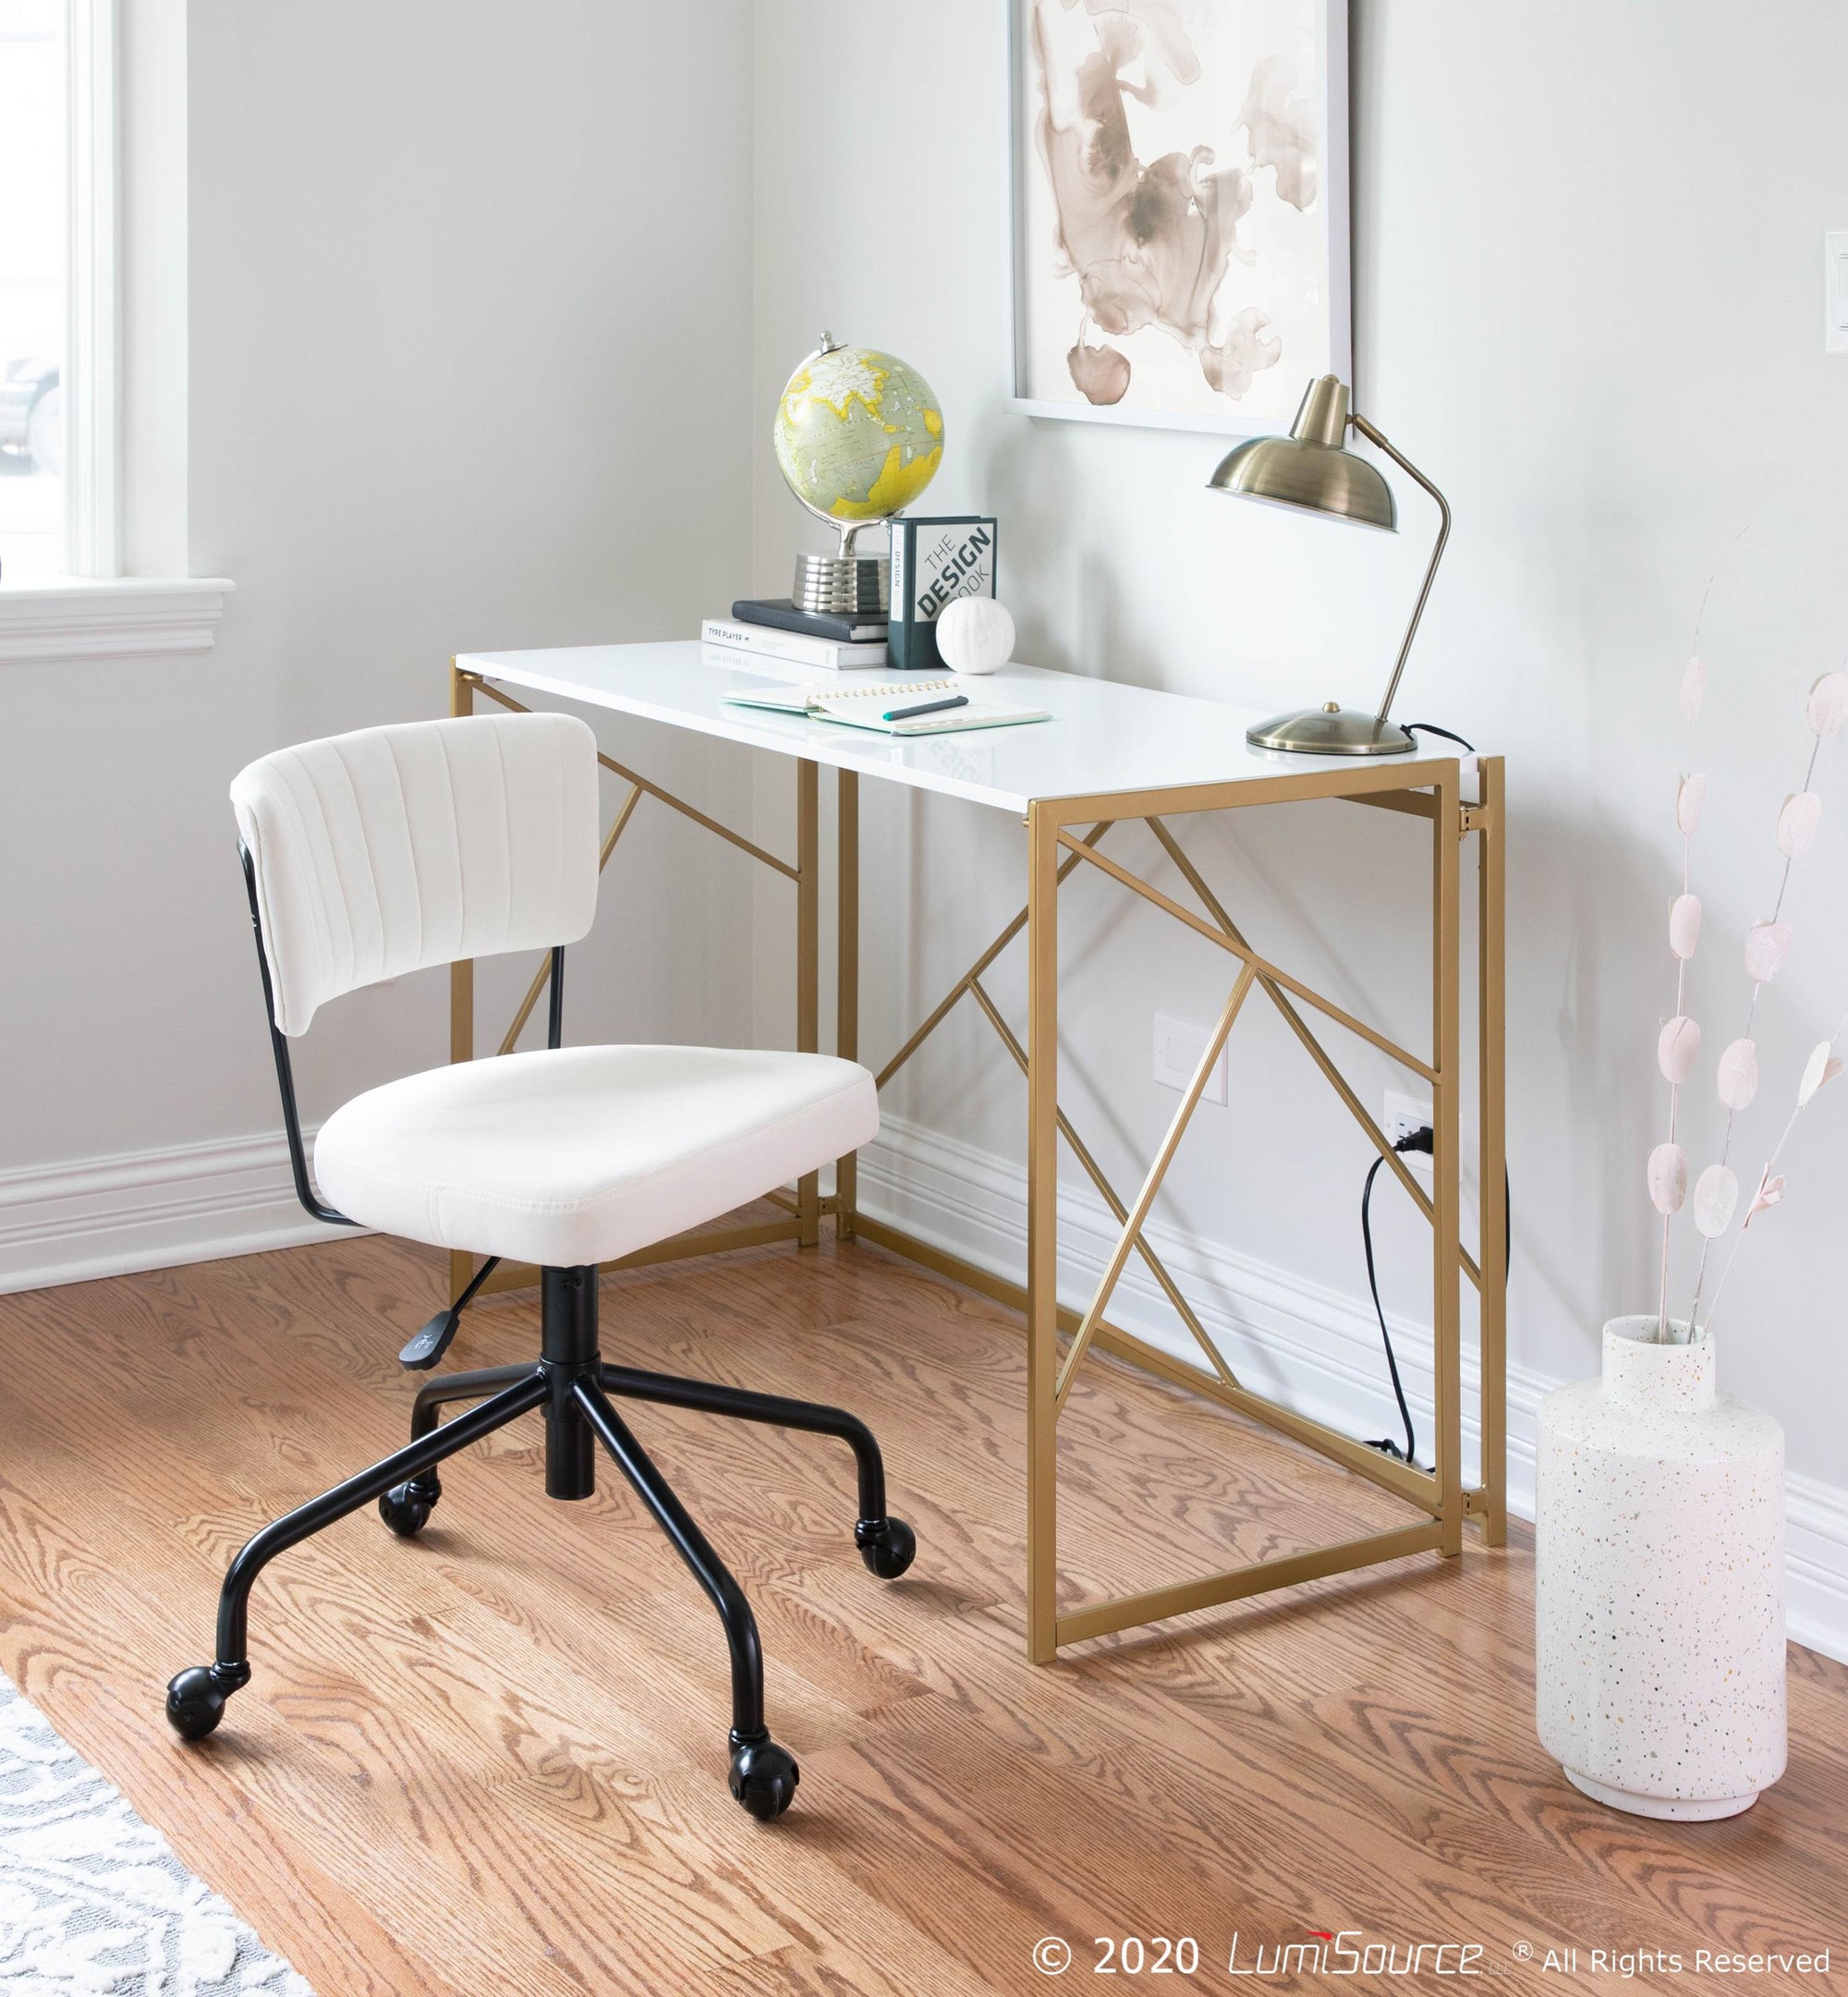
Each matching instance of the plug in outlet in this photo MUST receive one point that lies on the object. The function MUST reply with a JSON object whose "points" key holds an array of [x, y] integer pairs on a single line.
{"points": [[1178, 1048], [1404, 1116]]}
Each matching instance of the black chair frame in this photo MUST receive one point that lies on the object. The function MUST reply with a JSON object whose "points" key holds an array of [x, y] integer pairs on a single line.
{"points": [[577, 1391]]}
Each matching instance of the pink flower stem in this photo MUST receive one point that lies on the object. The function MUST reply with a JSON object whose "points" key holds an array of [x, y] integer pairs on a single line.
{"points": [[1751, 1013]]}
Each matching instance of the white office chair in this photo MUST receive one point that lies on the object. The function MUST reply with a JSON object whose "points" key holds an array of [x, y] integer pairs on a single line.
{"points": [[372, 854]]}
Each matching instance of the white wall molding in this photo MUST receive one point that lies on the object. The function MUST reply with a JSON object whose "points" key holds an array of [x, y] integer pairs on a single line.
{"points": [[1314, 1348], [118, 617], [149, 1210]]}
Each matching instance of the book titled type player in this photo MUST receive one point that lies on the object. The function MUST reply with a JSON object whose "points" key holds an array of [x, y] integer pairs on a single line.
{"points": [[797, 648]]}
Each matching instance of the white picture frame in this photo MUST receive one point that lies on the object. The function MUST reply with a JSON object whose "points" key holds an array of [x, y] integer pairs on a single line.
{"points": [[1032, 281]]}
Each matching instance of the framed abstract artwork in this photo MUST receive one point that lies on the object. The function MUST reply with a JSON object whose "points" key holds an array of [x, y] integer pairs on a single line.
{"points": [[1180, 244]]}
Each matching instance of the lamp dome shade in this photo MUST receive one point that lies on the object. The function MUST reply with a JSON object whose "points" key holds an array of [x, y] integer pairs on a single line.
{"points": [[1310, 468]]}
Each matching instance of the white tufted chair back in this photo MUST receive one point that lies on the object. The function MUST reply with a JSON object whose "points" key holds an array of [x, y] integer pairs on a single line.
{"points": [[392, 848]]}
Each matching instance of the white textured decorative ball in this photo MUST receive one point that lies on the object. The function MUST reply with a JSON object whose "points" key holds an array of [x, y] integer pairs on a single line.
{"points": [[975, 634]]}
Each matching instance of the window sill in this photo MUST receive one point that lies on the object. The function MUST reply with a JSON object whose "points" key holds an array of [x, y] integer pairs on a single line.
{"points": [[120, 617]]}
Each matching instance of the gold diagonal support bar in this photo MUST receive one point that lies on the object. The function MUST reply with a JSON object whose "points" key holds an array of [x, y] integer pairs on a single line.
{"points": [[653, 788], [1416, 1487], [495, 693], [1288, 1571], [1312, 1046], [544, 971], [975, 970], [1259, 966], [1157, 1268], [1152, 1185], [698, 817]]}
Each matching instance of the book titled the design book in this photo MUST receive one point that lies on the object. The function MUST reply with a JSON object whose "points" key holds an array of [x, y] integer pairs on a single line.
{"points": [[933, 563]]}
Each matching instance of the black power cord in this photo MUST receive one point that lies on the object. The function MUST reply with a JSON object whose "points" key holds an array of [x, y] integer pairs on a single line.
{"points": [[1416, 1140], [1430, 728]]}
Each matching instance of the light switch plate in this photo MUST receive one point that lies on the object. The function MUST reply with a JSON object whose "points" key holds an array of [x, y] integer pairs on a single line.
{"points": [[1178, 1048], [1835, 291]]}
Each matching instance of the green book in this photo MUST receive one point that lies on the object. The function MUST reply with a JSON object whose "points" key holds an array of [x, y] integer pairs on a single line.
{"points": [[933, 563]]}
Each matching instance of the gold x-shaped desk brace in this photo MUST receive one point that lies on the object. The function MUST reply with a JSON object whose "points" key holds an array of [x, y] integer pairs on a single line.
{"points": [[1438, 1492]]}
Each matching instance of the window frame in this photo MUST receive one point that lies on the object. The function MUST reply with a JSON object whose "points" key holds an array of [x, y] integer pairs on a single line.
{"points": [[91, 610], [93, 363]]}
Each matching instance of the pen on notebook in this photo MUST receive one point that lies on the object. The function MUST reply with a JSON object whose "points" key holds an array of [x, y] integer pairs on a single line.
{"points": [[929, 707]]}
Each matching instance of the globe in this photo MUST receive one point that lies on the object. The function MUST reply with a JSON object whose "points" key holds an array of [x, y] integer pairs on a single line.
{"points": [[859, 433]]}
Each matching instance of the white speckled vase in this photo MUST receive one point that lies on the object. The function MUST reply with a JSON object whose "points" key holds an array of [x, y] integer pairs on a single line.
{"points": [[1660, 1582]]}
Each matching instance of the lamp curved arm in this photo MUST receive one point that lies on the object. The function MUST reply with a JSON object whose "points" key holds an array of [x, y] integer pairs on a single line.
{"points": [[1405, 465]]}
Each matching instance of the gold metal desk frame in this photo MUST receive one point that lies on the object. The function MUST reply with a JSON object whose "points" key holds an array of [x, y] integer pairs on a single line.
{"points": [[1064, 833]]}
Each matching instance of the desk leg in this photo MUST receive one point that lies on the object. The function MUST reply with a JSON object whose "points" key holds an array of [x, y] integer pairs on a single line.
{"points": [[461, 990], [1491, 1058], [808, 965], [1042, 1234], [1447, 1163], [847, 975]]}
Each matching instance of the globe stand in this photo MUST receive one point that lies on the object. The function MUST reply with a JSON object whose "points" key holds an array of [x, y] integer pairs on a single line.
{"points": [[843, 585]]}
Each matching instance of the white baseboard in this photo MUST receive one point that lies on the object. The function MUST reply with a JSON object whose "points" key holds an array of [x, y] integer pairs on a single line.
{"points": [[149, 1210], [1314, 1348]]}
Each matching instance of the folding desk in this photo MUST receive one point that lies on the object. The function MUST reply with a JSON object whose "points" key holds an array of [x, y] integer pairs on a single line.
{"points": [[1111, 752]]}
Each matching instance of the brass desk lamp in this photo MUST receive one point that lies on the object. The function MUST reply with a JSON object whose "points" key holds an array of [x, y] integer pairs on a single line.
{"points": [[1312, 470]]}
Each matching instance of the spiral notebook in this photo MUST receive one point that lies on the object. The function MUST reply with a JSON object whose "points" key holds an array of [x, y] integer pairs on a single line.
{"points": [[867, 707]]}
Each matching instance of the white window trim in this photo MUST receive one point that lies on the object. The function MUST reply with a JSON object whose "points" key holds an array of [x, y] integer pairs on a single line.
{"points": [[120, 617], [93, 346], [95, 612]]}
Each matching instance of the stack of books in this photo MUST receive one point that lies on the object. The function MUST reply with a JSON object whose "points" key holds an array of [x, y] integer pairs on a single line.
{"points": [[774, 629]]}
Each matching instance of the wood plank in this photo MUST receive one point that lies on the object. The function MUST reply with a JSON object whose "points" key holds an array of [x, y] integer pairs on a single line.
{"points": [[493, 1757]]}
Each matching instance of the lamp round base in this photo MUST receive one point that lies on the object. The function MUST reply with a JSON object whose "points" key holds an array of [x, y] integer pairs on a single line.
{"points": [[1332, 731]]}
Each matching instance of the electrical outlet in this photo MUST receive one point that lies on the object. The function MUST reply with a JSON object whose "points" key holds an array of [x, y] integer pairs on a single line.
{"points": [[1178, 1048], [1404, 1116]]}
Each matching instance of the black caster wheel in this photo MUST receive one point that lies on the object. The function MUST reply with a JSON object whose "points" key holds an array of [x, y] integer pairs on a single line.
{"points": [[887, 1545], [196, 1698], [763, 1776], [406, 1508]]}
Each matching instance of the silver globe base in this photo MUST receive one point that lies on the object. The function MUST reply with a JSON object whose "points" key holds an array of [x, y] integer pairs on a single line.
{"points": [[843, 585], [1332, 731]]}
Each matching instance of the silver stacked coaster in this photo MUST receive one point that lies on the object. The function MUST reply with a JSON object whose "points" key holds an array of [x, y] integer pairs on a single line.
{"points": [[843, 585]]}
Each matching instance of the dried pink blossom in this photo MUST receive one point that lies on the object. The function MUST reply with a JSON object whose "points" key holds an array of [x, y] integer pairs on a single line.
{"points": [[1667, 1179], [1677, 1047], [1797, 822], [1766, 945], [1821, 1066], [1827, 707], [1690, 796], [1684, 925], [1693, 689], [1770, 1190], [1737, 1077], [1715, 1193]]}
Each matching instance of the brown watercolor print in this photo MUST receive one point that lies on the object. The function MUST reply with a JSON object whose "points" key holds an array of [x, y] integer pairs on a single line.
{"points": [[1175, 250]]}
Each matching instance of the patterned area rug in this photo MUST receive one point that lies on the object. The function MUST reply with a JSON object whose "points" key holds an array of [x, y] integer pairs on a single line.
{"points": [[92, 1900]]}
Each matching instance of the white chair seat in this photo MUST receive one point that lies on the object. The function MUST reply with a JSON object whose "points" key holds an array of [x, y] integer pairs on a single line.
{"points": [[584, 1154]]}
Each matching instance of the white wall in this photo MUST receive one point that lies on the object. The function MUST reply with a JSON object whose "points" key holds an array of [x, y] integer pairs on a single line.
{"points": [[1588, 300], [467, 313]]}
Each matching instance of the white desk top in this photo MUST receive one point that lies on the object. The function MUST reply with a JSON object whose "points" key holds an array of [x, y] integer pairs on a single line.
{"points": [[1102, 737]]}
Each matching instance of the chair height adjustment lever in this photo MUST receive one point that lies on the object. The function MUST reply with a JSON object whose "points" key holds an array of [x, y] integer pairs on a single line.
{"points": [[428, 1346], [423, 1351]]}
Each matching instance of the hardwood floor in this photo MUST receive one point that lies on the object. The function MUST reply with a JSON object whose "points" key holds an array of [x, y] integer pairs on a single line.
{"points": [[492, 1760]]}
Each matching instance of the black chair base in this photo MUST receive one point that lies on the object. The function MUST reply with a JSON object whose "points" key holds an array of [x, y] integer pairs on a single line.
{"points": [[575, 1388]]}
